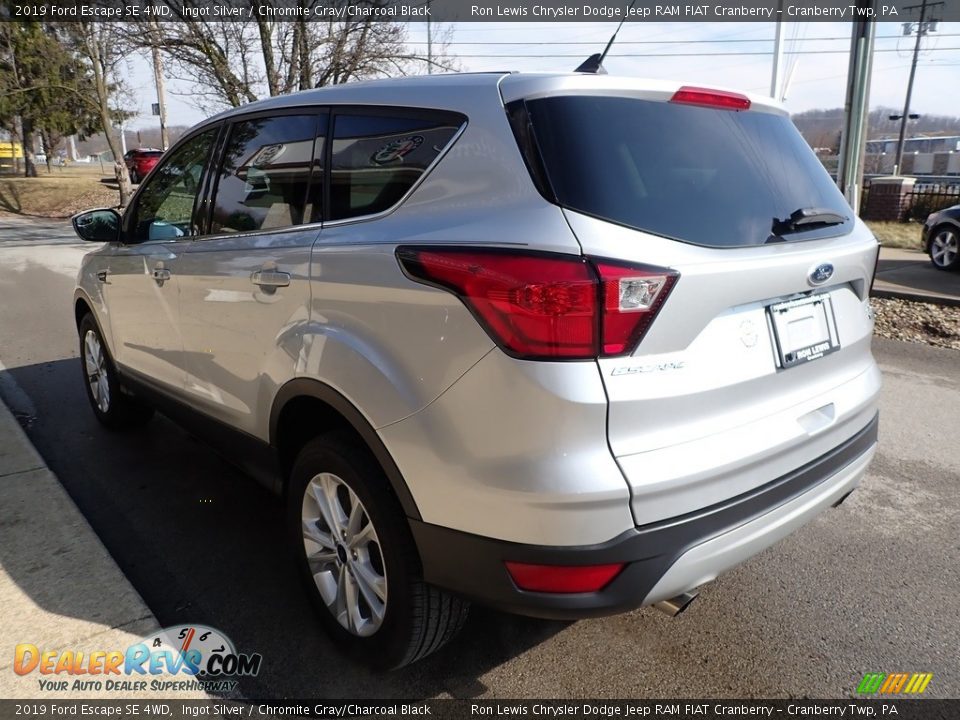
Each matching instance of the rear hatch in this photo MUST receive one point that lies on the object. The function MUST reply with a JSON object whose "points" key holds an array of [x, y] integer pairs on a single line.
{"points": [[758, 358]]}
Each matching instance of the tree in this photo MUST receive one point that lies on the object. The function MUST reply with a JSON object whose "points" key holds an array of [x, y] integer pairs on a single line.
{"points": [[41, 85], [101, 47], [238, 62]]}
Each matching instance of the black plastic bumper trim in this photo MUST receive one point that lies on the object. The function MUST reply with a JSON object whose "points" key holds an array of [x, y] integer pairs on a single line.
{"points": [[473, 566]]}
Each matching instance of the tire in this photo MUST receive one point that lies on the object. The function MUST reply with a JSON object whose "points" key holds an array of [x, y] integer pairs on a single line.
{"points": [[113, 408], [134, 177], [404, 619], [944, 249]]}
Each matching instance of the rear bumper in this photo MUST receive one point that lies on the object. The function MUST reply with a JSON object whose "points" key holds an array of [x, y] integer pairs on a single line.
{"points": [[663, 559]]}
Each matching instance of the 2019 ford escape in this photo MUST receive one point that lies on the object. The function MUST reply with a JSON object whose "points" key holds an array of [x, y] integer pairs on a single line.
{"points": [[561, 344]]}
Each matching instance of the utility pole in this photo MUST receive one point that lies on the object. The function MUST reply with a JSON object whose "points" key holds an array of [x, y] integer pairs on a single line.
{"points": [[853, 136], [921, 31], [776, 78], [161, 89], [429, 43]]}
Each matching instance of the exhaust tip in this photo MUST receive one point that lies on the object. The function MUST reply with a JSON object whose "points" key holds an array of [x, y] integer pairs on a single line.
{"points": [[676, 605], [840, 502]]}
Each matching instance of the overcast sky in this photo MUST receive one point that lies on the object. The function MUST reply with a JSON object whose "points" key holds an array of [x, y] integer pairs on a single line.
{"points": [[738, 55]]}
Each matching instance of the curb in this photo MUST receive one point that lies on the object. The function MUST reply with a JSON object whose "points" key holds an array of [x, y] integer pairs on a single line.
{"points": [[914, 297], [60, 589]]}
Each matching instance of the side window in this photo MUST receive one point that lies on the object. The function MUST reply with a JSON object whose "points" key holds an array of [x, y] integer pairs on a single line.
{"points": [[378, 158], [165, 206], [265, 174]]}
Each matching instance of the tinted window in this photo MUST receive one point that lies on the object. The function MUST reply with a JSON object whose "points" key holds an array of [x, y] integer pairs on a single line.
{"points": [[378, 158], [265, 174], [165, 205], [705, 176]]}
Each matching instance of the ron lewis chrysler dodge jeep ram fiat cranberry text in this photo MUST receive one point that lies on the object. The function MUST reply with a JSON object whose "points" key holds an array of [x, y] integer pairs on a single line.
{"points": [[561, 344]]}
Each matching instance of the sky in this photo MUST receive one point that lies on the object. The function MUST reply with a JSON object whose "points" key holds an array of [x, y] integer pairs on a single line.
{"points": [[737, 55]]}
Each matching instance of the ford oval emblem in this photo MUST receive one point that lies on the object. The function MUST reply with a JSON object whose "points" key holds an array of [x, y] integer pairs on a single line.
{"points": [[820, 274]]}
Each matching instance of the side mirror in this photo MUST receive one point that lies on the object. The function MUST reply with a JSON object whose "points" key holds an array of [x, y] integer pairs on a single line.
{"points": [[98, 225]]}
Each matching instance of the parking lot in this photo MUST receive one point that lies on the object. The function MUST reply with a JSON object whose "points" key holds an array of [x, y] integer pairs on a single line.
{"points": [[868, 587]]}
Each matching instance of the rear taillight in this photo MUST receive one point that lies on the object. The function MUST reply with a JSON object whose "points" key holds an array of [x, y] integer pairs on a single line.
{"points": [[562, 578], [705, 97], [544, 305]]}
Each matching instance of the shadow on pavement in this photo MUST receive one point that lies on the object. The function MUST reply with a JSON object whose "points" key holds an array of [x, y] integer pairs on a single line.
{"points": [[203, 543], [916, 273]]}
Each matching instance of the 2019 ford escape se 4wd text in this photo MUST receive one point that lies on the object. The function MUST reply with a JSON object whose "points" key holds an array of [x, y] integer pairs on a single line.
{"points": [[560, 344]]}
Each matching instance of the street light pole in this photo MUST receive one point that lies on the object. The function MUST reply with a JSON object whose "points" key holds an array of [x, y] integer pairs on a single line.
{"points": [[853, 136]]}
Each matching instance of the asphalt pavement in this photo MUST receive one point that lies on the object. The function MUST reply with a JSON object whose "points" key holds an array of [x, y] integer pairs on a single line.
{"points": [[871, 586], [910, 274]]}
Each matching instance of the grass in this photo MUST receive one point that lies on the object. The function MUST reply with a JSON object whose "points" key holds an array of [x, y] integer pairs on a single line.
{"points": [[58, 194], [896, 235]]}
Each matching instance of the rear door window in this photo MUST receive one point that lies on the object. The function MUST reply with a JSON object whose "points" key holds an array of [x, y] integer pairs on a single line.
{"points": [[705, 176], [376, 158], [266, 172]]}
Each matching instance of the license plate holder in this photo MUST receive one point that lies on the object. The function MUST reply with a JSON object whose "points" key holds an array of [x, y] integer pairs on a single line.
{"points": [[804, 329]]}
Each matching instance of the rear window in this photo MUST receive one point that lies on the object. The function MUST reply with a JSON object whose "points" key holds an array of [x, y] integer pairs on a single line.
{"points": [[710, 177]]}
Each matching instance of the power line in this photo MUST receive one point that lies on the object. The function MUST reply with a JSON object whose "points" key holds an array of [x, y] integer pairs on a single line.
{"points": [[661, 42], [690, 54]]}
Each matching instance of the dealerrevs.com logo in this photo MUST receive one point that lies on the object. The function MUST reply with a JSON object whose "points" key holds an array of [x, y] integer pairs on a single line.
{"points": [[183, 657]]}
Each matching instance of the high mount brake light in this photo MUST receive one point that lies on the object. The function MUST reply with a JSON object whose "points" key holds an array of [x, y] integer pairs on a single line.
{"points": [[547, 306], [711, 98]]}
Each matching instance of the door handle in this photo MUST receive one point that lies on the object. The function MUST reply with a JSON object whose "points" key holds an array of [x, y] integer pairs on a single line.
{"points": [[102, 276], [270, 278], [161, 275]]}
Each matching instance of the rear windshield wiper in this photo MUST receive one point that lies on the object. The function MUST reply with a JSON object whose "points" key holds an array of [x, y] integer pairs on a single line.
{"points": [[806, 219]]}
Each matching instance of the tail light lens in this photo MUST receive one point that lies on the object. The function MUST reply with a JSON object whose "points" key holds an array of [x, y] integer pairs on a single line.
{"points": [[562, 578], [547, 306]]}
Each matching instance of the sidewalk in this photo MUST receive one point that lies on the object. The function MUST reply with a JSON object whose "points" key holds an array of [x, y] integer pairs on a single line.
{"points": [[59, 588], [908, 274]]}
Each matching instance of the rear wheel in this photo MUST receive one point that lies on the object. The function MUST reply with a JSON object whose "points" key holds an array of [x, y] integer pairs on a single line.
{"points": [[945, 248], [358, 560], [113, 408]]}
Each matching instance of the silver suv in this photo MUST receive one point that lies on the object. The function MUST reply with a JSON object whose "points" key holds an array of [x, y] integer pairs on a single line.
{"points": [[560, 344]]}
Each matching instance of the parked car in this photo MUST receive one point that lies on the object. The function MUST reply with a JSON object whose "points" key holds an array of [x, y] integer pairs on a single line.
{"points": [[141, 161], [941, 238], [560, 344]]}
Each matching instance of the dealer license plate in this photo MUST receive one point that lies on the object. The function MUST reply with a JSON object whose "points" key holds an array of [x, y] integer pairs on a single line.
{"points": [[804, 329]]}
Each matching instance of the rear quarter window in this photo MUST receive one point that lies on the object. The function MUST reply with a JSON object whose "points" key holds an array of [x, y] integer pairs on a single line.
{"points": [[377, 158]]}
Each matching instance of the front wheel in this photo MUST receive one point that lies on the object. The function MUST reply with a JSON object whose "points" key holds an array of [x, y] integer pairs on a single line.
{"points": [[945, 248], [358, 560], [114, 409]]}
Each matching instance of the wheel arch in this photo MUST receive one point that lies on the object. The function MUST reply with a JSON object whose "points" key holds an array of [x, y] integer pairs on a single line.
{"points": [[304, 408], [82, 307]]}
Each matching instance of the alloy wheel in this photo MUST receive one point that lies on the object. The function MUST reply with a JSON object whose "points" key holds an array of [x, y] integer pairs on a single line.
{"points": [[945, 248], [95, 362], [343, 552]]}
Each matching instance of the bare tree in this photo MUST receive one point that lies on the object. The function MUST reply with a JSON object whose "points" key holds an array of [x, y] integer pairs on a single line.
{"points": [[233, 63], [101, 46]]}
